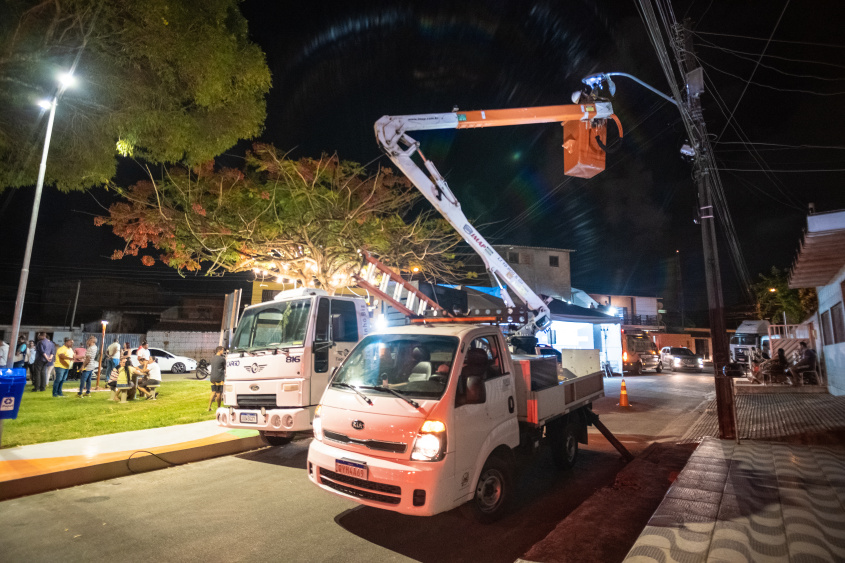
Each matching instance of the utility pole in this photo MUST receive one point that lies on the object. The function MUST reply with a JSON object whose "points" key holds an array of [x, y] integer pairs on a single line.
{"points": [[703, 177]]}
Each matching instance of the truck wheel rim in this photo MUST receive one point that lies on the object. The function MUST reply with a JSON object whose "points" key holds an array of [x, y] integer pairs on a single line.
{"points": [[489, 490], [570, 448]]}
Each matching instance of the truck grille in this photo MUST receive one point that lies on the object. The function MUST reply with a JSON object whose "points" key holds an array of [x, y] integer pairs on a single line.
{"points": [[335, 481], [257, 401], [392, 447]]}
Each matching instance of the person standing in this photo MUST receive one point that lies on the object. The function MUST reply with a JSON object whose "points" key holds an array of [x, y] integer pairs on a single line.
{"points": [[89, 364], [4, 353], [20, 353], [113, 352], [64, 360], [218, 376], [43, 364], [30, 358]]}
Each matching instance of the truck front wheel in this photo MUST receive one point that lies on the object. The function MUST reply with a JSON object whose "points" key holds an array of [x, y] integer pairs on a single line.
{"points": [[275, 440], [563, 439], [493, 492]]}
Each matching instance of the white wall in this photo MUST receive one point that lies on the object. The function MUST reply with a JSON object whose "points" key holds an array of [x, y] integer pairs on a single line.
{"points": [[833, 354], [586, 336], [196, 345]]}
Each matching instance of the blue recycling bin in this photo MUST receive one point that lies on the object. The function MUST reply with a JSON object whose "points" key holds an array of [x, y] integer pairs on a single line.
{"points": [[12, 384]]}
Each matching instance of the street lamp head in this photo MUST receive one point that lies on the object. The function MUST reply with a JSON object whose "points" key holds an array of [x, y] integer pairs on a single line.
{"points": [[104, 323], [45, 104], [66, 79], [772, 290]]}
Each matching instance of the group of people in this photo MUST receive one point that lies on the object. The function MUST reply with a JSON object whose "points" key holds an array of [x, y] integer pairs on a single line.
{"points": [[142, 378], [43, 360], [780, 370]]}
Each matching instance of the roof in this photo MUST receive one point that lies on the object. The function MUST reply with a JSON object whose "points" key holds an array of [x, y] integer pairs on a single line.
{"points": [[822, 253], [562, 311], [520, 247]]}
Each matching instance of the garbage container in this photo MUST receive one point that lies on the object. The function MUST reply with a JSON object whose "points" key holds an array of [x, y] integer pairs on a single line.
{"points": [[12, 384]]}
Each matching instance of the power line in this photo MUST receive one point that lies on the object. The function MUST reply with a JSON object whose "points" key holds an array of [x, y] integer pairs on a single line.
{"points": [[770, 40]]}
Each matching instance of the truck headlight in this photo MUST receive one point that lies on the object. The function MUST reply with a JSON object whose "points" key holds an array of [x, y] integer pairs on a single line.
{"points": [[701, 361], [677, 361], [430, 444], [318, 424]]}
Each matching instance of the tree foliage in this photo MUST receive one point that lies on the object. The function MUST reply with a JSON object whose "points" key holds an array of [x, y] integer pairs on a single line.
{"points": [[774, 297], [166, 81], [302, 220]]}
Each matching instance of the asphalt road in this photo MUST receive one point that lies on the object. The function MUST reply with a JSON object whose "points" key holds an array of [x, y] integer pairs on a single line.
{"points": [[260, 505]]}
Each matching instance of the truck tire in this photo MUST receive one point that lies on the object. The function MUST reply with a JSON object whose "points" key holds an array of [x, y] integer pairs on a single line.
{"points": [[275, 440], [564, 442], [493, 492], [638, 368]]}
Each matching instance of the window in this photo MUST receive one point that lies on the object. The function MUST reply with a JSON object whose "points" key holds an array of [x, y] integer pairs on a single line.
{"points": [[838, 324], [277, 325], [827, 328], [344, 321], [526, 258], [269, 294], [491, 349], [513, 257], [554, 261]]}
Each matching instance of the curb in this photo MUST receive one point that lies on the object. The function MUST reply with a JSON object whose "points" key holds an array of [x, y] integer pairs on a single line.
{"points": [[80, 470]]}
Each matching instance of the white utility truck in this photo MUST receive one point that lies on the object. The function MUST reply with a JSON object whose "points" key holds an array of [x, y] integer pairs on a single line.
{"points": [[424, 418], [421, 419], [281, 357]]}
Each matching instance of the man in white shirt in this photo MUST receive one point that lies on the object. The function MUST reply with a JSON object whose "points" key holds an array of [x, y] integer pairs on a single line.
{"points": [[143, 354], [152, 376], [4, 353]]}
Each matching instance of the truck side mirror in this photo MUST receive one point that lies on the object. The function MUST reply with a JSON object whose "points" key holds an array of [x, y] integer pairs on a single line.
{"points": [[476, 392]]}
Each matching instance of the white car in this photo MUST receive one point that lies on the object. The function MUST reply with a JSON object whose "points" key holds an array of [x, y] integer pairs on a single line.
{"points": [[167, 361]]}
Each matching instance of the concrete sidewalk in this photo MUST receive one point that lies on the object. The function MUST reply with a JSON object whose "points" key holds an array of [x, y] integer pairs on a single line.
{"points": [[26, 470], [778, 495]]}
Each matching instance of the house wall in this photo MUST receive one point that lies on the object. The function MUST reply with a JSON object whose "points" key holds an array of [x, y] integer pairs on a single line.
{"points": [[196, 345], [833, 355], [533, 266]]}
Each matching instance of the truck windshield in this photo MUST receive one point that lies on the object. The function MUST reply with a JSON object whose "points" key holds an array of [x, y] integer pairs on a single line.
{"points": [[744, 339], [416, 366], [275, 325], [682, 352]]}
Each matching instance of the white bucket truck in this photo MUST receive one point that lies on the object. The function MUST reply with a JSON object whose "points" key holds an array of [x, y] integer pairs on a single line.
{"points": [[424, 418], [282, 355]]}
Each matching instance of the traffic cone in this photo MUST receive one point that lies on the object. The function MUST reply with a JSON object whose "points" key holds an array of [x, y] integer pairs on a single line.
{"points": [[623, 396]]}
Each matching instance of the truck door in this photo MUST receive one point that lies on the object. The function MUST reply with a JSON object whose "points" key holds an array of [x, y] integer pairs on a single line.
{"points": [[476, 426], [335, 334]]}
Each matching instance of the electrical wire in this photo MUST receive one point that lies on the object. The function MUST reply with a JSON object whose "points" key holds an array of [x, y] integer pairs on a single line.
{"points": [[769, 86], [701, 42], [826, 45]]}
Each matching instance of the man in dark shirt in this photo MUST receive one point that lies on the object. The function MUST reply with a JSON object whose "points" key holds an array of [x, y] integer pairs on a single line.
{"points": [[45, 357], [218, 375], [806, 363]]}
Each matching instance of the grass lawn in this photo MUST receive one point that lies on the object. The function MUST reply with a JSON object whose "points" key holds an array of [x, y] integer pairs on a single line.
{"points": [[44, 418]]}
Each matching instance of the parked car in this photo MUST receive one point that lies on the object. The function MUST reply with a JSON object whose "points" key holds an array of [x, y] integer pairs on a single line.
{"points": [[679, 358], [167, 361]]}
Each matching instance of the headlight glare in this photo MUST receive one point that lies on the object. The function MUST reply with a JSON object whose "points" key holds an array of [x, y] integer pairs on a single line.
{"points": [[317, 424], [426, 447]]}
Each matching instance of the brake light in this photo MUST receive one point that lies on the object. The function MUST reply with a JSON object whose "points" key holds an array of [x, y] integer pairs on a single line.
{"points": [[624, 356]]}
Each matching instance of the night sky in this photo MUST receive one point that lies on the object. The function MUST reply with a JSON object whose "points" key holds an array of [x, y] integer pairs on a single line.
{"points": [[337, 67]]}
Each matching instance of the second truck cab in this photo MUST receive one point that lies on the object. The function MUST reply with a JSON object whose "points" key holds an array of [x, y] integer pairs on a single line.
{"points": [[282, 355]]}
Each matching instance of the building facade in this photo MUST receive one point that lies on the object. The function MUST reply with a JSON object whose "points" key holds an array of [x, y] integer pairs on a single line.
{"points": [[545, 270]]}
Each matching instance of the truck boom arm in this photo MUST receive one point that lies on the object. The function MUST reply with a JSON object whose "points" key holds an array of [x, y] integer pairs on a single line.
{"points": [[392, 135]]}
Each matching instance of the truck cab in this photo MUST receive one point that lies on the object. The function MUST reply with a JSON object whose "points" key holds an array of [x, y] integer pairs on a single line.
{"points": [[750, 335], [639, 353], [282, 355], [422, 419]]}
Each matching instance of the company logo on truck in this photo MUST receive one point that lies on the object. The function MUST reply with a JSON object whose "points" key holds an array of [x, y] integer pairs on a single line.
{"points": [[255, 368], [469, 230], [358, 424]]}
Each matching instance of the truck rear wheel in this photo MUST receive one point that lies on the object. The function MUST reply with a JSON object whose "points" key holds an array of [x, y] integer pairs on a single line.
{"points": [[493, 492], [275, 440], [563, 439]]}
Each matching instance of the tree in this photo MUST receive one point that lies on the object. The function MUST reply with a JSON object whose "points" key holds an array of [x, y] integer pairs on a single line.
{"points": [[301, 220], [166, 81], [774, 297]]}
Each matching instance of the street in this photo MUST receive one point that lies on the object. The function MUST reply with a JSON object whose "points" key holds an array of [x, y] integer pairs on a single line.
{"points": [[260, 505]]}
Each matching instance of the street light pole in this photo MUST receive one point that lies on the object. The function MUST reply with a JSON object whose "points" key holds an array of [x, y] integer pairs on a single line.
{"points": [[66, 81], [16, 322]]}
